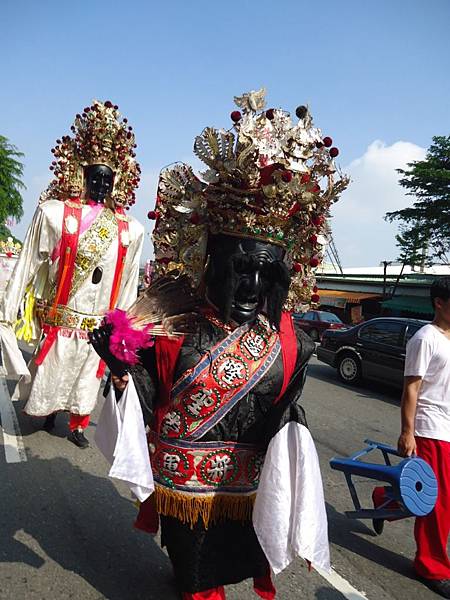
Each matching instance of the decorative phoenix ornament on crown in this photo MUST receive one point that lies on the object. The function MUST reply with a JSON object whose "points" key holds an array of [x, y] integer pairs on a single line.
{"points": [[268, 178], [100, 136]]}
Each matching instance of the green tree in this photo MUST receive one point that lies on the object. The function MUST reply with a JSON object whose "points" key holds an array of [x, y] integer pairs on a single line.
{"points": [[11, 171], [427, 222], [412, 245]]}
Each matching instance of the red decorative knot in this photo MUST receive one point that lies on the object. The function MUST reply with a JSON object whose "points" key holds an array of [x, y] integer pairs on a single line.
{"points": [[108, 104], [315, 298], [286, 176], [327, 141], [305, 178], [195, 218], [317, 220], [236, 116], [334, 152], [295, 209], [270, 114], [153, 215], [314, 261], [297, 267], [312, 239], [315, 289]]}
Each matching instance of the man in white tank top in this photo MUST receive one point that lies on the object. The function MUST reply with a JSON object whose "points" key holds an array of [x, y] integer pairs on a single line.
{"points": [[425, 422]]}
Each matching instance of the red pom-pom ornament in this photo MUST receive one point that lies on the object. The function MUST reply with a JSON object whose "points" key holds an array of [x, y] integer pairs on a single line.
{"points": [[327, 141], [315, 298], [153, 215], [305, 178], [235, 116], [312, 239], [270, 114], [317, 220], [286, 176], [314, 261], [334, 152], [297, 267]]}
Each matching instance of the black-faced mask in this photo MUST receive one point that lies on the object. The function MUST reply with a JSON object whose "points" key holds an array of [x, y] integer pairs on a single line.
{"points": [[244, 276], [99, 182]]}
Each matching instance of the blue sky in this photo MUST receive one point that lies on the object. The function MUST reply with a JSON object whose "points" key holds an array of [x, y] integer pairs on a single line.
{"points": [[375, 75]]}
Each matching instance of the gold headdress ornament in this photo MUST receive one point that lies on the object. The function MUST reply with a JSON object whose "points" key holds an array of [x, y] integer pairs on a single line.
{"points": [[100, 136], [268, 178]]}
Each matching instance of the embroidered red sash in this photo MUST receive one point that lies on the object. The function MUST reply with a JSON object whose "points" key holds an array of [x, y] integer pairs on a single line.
{"points": [[205, 394], [123, 241], [67, 256], [68, 251]]}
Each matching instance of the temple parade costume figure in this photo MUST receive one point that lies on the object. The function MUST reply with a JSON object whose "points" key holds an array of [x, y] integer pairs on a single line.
{"points": [[80, 259], [237, 483]]}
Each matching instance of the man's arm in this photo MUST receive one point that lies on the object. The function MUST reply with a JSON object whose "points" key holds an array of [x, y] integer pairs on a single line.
{"points": [[406, 442]]}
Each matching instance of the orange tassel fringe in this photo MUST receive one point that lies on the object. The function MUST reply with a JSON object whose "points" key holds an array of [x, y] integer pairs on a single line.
{"points": [[189, 508]]}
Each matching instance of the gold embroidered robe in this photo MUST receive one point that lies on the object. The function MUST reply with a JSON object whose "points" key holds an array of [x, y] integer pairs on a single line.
{"points": [[66, 380]]}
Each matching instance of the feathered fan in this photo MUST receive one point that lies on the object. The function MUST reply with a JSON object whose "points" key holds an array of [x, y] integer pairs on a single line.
{"points": [[166, 308]]}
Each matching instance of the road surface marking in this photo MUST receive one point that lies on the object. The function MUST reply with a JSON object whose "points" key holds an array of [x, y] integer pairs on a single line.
{"points": [[12, 438], [342, 585]]}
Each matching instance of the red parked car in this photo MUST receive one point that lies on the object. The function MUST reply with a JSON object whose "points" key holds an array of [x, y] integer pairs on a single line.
{"points": [[315, 322]]}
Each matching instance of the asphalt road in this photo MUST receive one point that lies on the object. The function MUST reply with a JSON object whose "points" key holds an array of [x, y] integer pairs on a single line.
{"points": [[66, 529]]}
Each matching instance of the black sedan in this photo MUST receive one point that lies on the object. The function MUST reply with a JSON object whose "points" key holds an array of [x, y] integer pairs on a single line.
{"points": [[373, 350]]}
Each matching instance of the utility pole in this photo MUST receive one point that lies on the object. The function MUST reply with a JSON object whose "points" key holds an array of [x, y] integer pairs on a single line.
{"points": [[385, 264]]}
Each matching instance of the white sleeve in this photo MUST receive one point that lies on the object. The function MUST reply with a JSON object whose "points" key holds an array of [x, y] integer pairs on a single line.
{"points": [[289, 515], [419, 351], [34, 252]]}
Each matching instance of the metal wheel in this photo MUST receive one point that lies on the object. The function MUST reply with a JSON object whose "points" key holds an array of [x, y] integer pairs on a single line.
{"points": [[349, 368]]}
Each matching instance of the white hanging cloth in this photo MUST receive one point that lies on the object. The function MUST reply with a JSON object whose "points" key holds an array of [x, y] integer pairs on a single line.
{"points": [[121, 438], [289, 515]]}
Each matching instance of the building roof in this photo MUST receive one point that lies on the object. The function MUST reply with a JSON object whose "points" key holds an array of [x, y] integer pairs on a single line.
{"points": [[414, 304]]}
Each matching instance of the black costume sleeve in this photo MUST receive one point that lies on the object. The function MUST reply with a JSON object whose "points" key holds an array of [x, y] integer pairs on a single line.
{"points": [[145, 377], [288, 408]]}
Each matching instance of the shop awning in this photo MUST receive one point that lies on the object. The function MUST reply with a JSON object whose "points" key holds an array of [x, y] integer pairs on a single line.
{"points": [[350, 297], [414, 304]]}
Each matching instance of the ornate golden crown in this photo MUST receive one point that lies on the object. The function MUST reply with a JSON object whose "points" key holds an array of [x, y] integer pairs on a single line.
{"points": [[269, 179], [100, 136]]}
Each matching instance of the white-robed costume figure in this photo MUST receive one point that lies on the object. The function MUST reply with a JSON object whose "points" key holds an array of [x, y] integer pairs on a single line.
{"points": [[80, 259]]}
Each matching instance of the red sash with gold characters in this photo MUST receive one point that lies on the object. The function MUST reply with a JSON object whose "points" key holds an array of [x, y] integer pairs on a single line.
{"points": [[206, 393], [68, 250]]}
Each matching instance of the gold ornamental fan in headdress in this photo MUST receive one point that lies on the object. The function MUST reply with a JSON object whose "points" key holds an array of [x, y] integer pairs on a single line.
{"points": [[268, 178], [100, 136]]}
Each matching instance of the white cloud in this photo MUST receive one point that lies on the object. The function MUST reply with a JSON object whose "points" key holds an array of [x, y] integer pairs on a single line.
{"points": [[360, 233]]}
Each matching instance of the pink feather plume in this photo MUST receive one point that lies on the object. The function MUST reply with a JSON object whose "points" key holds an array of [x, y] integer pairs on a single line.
{"points": [[125, 340]]}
